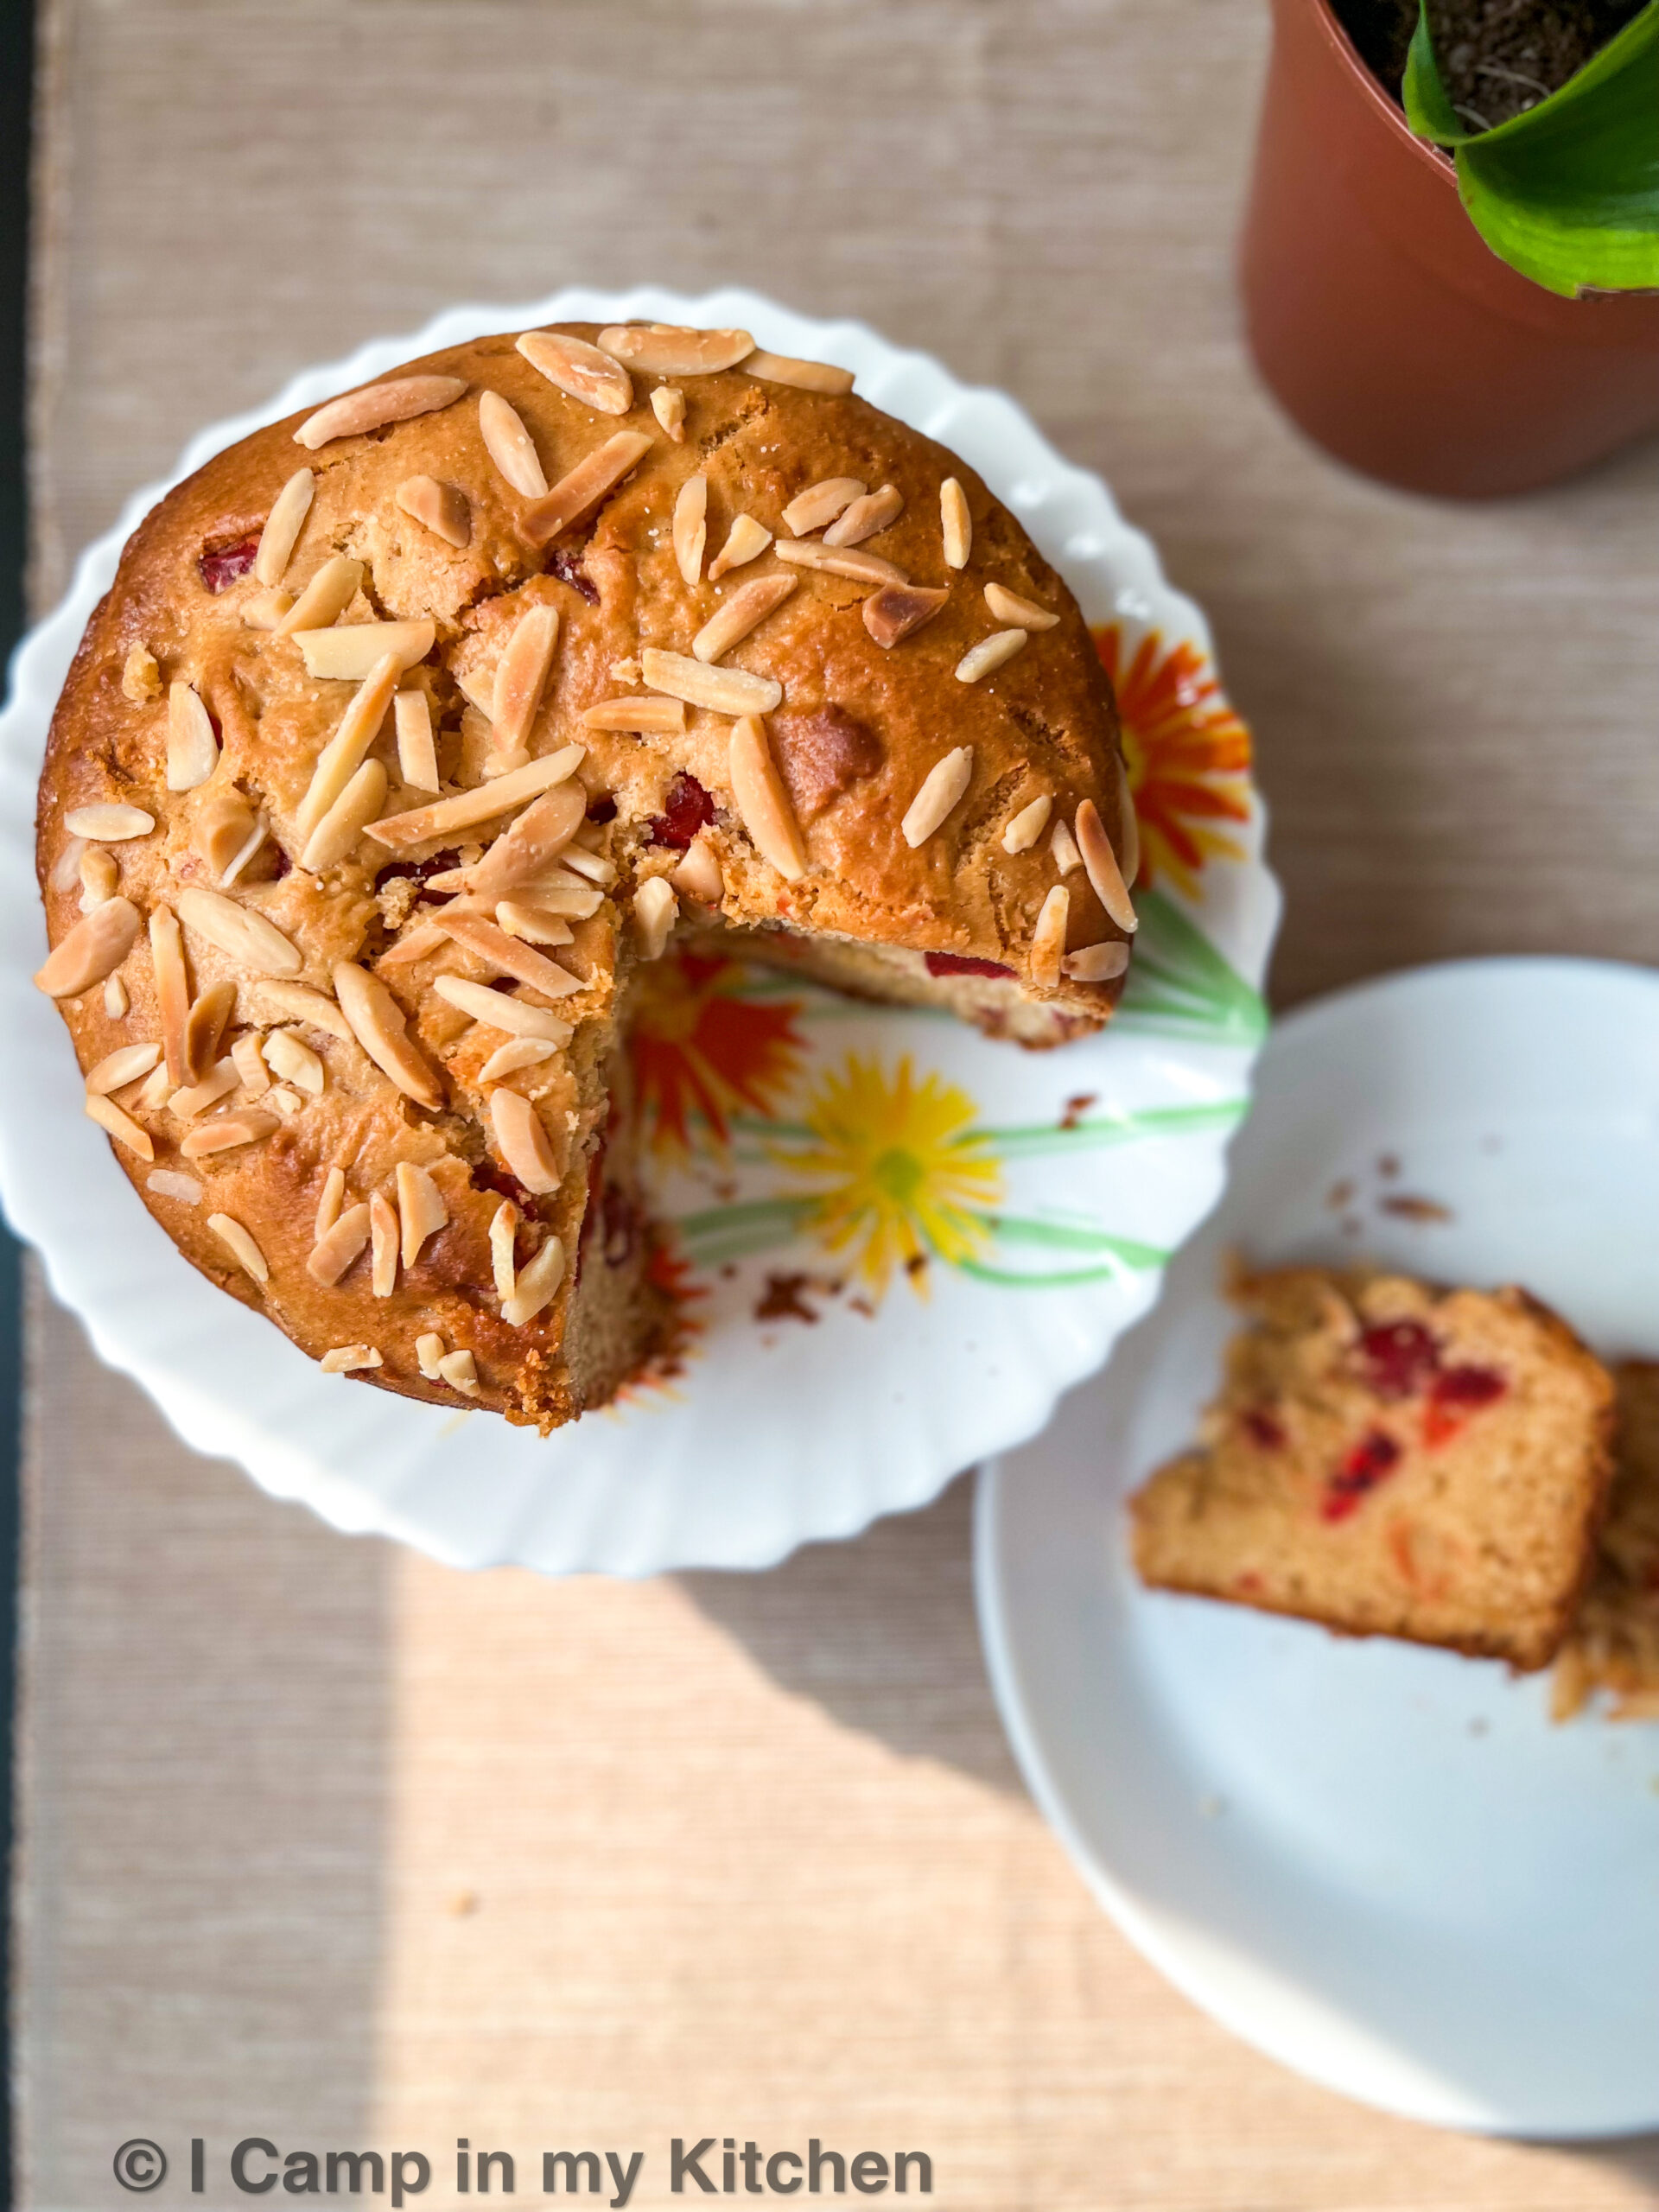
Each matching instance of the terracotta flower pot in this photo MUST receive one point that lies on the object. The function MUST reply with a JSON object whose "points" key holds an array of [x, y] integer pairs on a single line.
{"points": [[1390, 332]]}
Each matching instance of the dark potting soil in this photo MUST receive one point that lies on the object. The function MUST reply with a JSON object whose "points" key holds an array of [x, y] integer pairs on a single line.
{"points": [[1497, 57]]}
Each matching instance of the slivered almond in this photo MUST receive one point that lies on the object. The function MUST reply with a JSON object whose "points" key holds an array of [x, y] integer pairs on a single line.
{"points": [[140, 675], [117, 1004], [1028, 826], [576, 495], [1097, 964], [839, 561], [326, 598], [579, 371], [382, 1247], [191, 748], [285, 1102], [524, 1141], [349, 652], [521, 676], [418, 758], [897, 611], [339, 1245], [537, 1285], [510, 445], [240, 1246], [220, 1080], [283, 526], [745, 541], [349, 1359], [421, 1210], [1101, 863], [109, 823], [460, 1370], [644, 717], [1128, 824], [267, 610], [722, 691], [224, 822], [668, 405], [380, 1024], [337, 834], [294, 1062], [225, 1132], [467, 809], [355, 413], [1025, 613], [343, 755], [124, 1065], [504, 1230], [429, 1351], [877, 510], [655, 910], [442, 508], [821, 502], [65, 869], [183, 1189], [806, 376], [299, 1002], [534, 842], [1064, 847], [989, 654], [558, 891], [172, 989], [248, 1058], [690, 531], [331, 1204], [205, 1027], [941, 792], [121, 1126], [698, 875], [762, 800], [735, 618], [244, 853], [956, 523], [510, 956], [153, 1092], [99, 877], [517, 1017], [533, 923], [519, 1052], [247, 936], [594, 866], [1048, 939], [94, 949], [661, 349]]}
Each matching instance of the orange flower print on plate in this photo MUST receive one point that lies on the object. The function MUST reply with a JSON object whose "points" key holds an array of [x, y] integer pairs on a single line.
{"points": [[1188, 753], [699, 1049]]}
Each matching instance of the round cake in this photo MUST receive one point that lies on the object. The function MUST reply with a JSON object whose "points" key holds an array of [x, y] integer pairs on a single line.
{"points": [[412, 726]]}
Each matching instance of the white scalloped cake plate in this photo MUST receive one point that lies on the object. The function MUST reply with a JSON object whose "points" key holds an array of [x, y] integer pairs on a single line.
{"points": [[1385, 1866], [963, 1238]]}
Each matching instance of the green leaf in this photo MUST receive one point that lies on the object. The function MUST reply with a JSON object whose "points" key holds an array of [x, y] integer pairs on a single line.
{"points": [[1567, 193]]}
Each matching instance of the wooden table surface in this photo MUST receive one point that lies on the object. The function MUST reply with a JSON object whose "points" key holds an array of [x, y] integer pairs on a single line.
{"points": [[325, 1844]]}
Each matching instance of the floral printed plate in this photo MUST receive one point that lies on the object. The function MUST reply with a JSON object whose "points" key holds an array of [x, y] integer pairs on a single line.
{"points": [[893, 1243]]}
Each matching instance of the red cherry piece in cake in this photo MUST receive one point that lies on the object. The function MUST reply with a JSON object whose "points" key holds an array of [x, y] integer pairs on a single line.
{"points": [[1398, 1358], [1457, 1392], [1371, 1461], [959, 963], [223, 565], [689, 809], [1265, 1428], [566, 566]]}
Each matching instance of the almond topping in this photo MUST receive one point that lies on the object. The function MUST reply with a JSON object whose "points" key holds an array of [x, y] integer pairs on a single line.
{"points": [[141, 677], [1128, 823], [1028, 825], [510, 445], [220, 1080], [956, 523], [442, 508], [421, 1210], [662, 349], [504, 1228], [65, 869], [124, 1065], [990, 653], [99, 877], [594, 866], [460, 1370], [172, 989], [332, 1204], [744, 611], [299, 1002], [222, 825], [510, 956], [204, 1026], [267, 610], [122, 1127], [1097, 964], [225, 1131], [536, 1285], [577, 494], [579, 371], [520, 1052], [247, 936], [117, 1004], [668, 405], [521, 676], [524, 1141], [338, 1246], [723, 690], [285, 1102], [558, 893], [378, 1023], [94, 949], [294, 1062], [165, 1183], [1101, 862], [326, 598], [337, 834], [109, 823], [698, 875], [249, 1060], [532, 923], [518, 1017], [375, 405], [821, 502], [418, 758], [347, 1359], [897, 610], [655, 912], [191, 748], [807, 376], [240, 1246], [382, 1247], [534, 841], [428, 1350], [762, 800], [839, 561], [341, 759], [643, 717], [1009, 606], [876, 511], [745, 541], [1048, 940], [467, 809], [691, 527], [349, 652], [153, 1092], [1064, 847], [941, 792], [283, 526]]}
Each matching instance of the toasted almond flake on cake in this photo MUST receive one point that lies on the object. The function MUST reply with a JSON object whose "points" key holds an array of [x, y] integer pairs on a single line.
{"points": [[1024, 613], [326, 598], [350, 652], [956, 523], [561, 892], [140, 675], [941, 792], [267, 610], [421, 1210], [222, 823], [1048, 940], [898, 611], [524, 1141], [153, 1092], [225, 1132], [336, 836], [839, 561], [339, 1245], [1097, 964], [383, 1234], [575, 495], [299, 1002], [343, 755], [698, 875], [745, 541], [398, 400], [191, 748], [172, 979], [655, 910], [762, 800], [466, 810], [429, 1351], [205, 1027], [442, 508], [167, 1183], [533, 923], [194, 1100], [285, 1102], [331, 1203], [283, 526], [535, 841], [510, 956], [65, 869], [820, 503], [99, 877], [1128, 824], [460, 1370], [989, 654], [875, 510], [537, 1285], [379, 1025], [504, 1230], [641, 717], [108, 821], [690, 528], [92, 950], [510, 445], [248, 1054], [521, 676], [736, 618], [594, 866], [661, 349], [121, 1126], [124, 1065], [806, 376], [722, 690], [668, 405], [517, 1053], [517, 1017], [1101, 863], [293, 1059], [244, 853], [240, 1246], [245, 935], [579, 371], [1025, 827], [1064, 846], [348, 1359], [117, 1004], [417, 757]]}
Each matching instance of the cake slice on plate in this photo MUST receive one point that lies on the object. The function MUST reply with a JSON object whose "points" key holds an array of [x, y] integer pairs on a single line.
{"points": [[1614, 1645]]}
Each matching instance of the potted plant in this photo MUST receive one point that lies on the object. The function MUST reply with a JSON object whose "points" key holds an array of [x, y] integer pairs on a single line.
{"points": [[1479, 315]]}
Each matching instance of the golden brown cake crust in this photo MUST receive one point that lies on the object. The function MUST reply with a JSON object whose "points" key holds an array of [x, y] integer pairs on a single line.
{"points": [[1614, 1644], [858, 729]]}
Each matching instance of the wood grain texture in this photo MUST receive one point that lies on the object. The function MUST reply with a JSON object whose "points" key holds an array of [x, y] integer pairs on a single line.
{"points": [[327, 1843]]}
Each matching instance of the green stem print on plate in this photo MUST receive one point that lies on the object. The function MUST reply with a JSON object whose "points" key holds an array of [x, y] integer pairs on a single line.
{"points": [[1180, 985]]}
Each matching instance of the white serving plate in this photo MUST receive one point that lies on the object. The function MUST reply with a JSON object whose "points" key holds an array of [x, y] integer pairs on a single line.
{"points": [[777, 1430], [1383, 1865]]}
